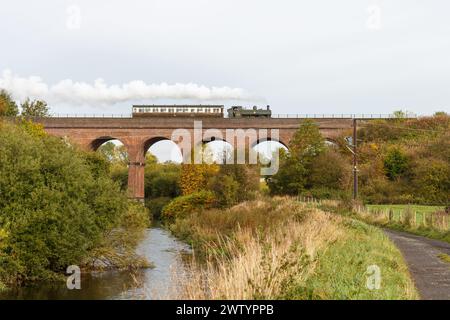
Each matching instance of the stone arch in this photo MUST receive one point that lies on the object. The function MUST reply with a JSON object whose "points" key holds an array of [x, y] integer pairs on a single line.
{"points": [[280, 141], [331, 142], [220, 149], [96, 143], [154, 140], [151, 141]]}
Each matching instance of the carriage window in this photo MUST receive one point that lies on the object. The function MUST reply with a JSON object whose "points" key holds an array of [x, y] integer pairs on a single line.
{"points": [[170, 110], [192, 110], [163, 110], [200, 110], [140, 110]]}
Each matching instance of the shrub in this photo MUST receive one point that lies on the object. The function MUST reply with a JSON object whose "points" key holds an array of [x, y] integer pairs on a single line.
{"points": [[156, 205], [395, 163], [162, 184], [56, 204], [182, 206], [431, 178], [329, 170], [135, 217], [290, 178], [8, 107], [226, 190], [119, 174], [162, 180]]}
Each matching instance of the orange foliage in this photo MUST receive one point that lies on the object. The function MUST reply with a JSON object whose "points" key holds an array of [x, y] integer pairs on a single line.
{"points": [[195, 177]]}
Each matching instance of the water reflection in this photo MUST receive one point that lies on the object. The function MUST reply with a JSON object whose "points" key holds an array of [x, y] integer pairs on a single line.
{"points": [[159, 246]]}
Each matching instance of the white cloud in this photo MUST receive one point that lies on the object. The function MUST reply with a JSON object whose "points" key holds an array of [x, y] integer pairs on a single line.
{"points": [[99, 93]]}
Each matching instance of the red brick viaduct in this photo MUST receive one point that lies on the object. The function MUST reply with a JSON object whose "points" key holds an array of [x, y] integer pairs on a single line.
{"points": [[138, 134]]}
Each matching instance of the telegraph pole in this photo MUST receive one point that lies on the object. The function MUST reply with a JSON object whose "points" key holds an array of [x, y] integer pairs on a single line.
{"points": [[355, 161]]}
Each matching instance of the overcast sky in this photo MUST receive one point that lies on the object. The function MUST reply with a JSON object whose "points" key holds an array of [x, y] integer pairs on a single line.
{"points": [[319, 56]]}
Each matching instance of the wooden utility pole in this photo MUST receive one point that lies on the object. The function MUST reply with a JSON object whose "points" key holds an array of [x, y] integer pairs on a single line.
{"points": [[355, 161]]}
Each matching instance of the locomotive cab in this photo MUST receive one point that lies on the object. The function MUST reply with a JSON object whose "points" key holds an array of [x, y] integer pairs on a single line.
{"points": [[240, 112]]}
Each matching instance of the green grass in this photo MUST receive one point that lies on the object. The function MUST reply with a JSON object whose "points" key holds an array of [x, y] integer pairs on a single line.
{"points": [[444, 257], [420, 229], [340, 254], [342, 269], [397, 210]]}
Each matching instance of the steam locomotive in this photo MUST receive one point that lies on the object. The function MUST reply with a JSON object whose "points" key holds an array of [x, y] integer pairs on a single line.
{"points": [[240, 112], [197, 111]]}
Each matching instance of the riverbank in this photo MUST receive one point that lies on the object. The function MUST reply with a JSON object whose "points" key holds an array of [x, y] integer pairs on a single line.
{"points": [[117, 250], [282, 249], [60, 208], [166, 253]]}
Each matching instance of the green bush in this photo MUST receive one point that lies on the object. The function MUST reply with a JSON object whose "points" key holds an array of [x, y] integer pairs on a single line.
{"points": [[56, 204], [156, 205], [395, 163], [8, 106], [182, 206], [329, 170], [162, 180], [432, 180], [226, 190], [290, 178], [136, 217], [119, 174], [294, 173]]}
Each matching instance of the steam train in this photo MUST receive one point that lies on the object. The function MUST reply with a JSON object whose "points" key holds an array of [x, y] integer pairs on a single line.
{"points": [[216, 111]]}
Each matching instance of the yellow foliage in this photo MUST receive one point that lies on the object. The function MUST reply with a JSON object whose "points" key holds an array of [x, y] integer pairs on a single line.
{"points": [[194, 177], [34, 129], [3, 237], [3, 106]]}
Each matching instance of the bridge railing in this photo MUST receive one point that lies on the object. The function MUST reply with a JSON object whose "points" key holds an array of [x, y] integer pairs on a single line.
{"points": [[276, 116], [342, 116], [93, 115]]}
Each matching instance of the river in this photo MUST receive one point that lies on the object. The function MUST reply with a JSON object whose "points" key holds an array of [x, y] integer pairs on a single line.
{"points": [[163, 250]]}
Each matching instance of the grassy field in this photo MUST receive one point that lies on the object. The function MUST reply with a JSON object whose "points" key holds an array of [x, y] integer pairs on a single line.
{"points": [[399, 209], [339, 271], [427, 221], [282, 249]]}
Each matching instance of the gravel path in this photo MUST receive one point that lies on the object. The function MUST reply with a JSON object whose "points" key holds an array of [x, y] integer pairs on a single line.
{"points": [[431, 275]]}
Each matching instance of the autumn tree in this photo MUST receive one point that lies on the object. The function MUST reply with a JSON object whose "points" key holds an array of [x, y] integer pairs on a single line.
{"points": [[8, 106], [295, 165], [116, 154], [34, 108]]}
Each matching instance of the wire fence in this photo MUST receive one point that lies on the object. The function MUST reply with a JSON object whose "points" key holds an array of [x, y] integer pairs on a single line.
{"points": [[344, 116], [94, 115], [439, 219]]}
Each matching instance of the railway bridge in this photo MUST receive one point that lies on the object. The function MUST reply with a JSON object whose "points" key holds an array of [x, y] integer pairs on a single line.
{"points": [[139, 134]]}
